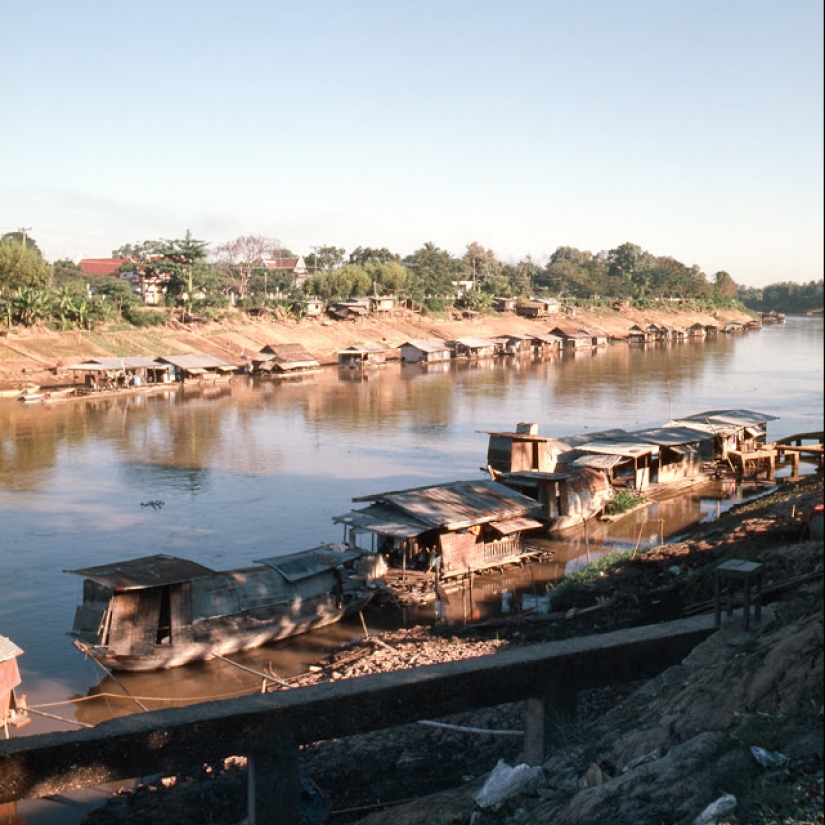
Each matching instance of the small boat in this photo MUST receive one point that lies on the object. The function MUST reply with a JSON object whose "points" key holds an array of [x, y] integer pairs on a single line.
{"points": [[160, 611], [12, 709]]}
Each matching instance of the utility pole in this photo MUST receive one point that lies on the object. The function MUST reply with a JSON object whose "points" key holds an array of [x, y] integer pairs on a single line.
{"points": [[23, 230]]}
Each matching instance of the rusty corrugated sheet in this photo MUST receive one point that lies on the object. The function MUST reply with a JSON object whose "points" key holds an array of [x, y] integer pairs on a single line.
{"points": [[148, 571]]}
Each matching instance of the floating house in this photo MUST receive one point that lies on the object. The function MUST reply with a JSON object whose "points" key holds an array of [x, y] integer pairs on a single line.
{"points": [[113, 373], [429, 350], [283, 361], [160, 611], [698, 330], [197, 368], [362, 356], [545, 344], [12, 708], [731, 429], [472, 347], [640, 335], [453, 528], [518, 344], [573, 339]]}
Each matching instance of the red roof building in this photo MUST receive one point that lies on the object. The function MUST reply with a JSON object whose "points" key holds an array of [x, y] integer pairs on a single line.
{"points": [[102, 266]]}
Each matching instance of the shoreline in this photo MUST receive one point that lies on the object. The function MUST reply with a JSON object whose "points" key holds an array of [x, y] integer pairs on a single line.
{"points": [[39, 355]]}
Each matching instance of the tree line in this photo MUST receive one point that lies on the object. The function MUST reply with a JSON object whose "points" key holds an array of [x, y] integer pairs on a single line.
{"points": [[203, 280]]}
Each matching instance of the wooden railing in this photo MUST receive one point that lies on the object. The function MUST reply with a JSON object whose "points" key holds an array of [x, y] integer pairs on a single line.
{"points": [[269, 728]]}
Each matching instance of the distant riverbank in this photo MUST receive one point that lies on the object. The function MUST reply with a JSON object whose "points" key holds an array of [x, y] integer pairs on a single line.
{"points": [[40, 356]]}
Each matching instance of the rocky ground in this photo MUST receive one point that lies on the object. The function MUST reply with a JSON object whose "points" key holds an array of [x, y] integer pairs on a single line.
{"points": [[657, 751], [39, 355]]}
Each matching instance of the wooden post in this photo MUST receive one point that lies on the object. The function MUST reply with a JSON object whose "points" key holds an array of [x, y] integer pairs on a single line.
{"points": [[273, 785], [544, 715]]}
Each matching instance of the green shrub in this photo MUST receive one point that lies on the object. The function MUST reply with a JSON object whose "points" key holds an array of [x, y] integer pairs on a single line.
{"points": [[623, 501]]}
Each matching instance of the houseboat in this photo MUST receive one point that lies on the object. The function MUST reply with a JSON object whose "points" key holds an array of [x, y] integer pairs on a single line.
{"points": [[12, 708], [283, 361], [160, 612], [450, 529]]}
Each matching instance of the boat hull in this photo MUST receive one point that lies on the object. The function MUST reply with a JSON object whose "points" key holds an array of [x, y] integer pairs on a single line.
{"points": [[221, 638]]}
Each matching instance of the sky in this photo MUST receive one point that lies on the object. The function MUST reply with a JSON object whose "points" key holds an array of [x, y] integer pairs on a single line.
{"points": [[693, 128]]}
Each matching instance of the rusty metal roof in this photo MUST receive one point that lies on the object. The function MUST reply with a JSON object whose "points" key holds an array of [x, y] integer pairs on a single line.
{"points": [[384, 520], [459, 504], [740, 418], [148, 571], [306, 563], [426, 345], [196, 361]]}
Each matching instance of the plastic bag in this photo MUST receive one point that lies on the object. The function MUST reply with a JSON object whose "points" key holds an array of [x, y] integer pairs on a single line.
{"points": [[768, 759], [725, 804], [505, 782]]}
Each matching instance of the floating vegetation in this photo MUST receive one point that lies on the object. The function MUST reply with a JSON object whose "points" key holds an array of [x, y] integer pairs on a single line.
{"points": [[155, 504]]}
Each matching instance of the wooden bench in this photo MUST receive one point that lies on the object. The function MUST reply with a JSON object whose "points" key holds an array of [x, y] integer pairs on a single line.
{"points": [[727, 574]]}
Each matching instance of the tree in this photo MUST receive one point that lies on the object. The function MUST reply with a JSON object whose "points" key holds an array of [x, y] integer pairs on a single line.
{"points": [[324, 258], [571, 255], [366, 255], [22, 238], [434, 270], [724, 286], [22, 265], [481, 263], [239, 258]]}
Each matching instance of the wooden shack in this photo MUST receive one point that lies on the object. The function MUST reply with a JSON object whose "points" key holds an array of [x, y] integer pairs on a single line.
{"points": [[472, 348], [517, 344], [380, 304], [197, 368], [450, 529], [640, 335], [361, 356], [426, 350], [731, 429], [119, 373], [284, 360], [504, 304], [572, 338], [545, 344], [11, 706], [349, 310]]}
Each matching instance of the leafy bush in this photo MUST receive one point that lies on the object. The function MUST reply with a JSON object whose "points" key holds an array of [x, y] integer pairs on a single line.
{"points": [[143, 318], [623, 501], [434, 306]]}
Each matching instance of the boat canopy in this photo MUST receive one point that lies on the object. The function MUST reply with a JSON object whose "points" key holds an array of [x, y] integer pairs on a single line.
{"points": [[298, 566], [148, 571]]}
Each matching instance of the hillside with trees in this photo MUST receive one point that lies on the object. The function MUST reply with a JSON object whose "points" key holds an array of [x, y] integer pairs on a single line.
{"points": [[197, 277]]}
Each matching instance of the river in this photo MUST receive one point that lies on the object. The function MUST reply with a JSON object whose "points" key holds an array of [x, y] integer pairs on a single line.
{"points": [[256, 468]]}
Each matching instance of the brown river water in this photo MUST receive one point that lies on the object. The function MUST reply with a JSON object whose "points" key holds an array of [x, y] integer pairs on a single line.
{"points": [[259, 467]]}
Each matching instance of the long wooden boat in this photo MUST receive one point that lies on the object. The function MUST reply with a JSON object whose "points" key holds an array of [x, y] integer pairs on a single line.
{"points": [[160, 612]]}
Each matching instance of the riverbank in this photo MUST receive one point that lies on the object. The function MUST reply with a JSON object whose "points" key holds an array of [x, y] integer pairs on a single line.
{"points": [[653, 751], [38, 356]]}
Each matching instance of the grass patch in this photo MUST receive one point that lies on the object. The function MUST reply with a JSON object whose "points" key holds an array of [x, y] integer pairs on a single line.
{"points": [[623, 501]]}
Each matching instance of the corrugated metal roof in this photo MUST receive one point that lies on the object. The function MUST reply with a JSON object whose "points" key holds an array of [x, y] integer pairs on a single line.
{"points": [[598, 462], [296, 566], [514, 525], [192, 361], [426, 345], [8, 649], [670, 436], [287, 353], [148, 571], [130, 363], [364, 348], [619, 448], [461, 503], [739, 418], [475, 342], [386, 521]]}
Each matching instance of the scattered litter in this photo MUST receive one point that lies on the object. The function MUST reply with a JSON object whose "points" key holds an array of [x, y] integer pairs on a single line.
{"points": [[505, 782], [768, 759], [655, 754], [725, 804]]}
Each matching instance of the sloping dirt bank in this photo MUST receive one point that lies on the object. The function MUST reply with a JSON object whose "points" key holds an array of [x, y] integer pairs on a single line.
{"points": [[37, 355], [656, 751]]}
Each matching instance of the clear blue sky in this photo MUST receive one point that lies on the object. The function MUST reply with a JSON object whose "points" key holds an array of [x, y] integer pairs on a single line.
{"points": [[693, 128]]}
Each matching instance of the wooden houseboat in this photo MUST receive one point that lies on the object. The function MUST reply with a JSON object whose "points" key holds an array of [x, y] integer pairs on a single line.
{"points": [[120, 373], [362, 356], [12, 708], [427, 350], [283, 361], [518, 344], [731, 429], [198, 368], [452, 529], [640, 335], [160, 611], [698, 330], [545, 344], [473, 348], [572, 339]]}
